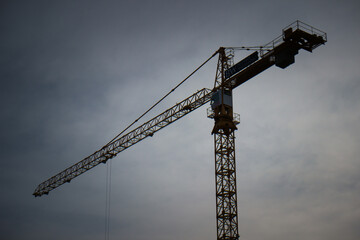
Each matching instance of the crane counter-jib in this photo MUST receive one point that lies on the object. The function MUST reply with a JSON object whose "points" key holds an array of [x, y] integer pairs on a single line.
{"points": [[281, 52]]}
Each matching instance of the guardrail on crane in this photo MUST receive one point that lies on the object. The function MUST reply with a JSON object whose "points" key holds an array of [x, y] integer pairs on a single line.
{"points": [[297, 25]]}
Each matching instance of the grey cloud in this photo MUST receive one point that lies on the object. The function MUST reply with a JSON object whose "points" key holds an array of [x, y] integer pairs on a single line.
{"points": [[74, 73]]}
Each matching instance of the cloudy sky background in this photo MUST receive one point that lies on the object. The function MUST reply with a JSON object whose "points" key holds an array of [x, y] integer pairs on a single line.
{"points": [[75, 73]]}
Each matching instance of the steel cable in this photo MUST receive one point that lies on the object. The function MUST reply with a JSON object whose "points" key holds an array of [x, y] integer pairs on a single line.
{"points": [[172, 90], [107, 199]]}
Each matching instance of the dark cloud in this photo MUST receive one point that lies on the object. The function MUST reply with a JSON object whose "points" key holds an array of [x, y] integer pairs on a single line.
{"points": [[74, 73]]}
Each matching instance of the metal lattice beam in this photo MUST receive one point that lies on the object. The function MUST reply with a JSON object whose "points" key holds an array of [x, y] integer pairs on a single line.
{"points": [[225, 61], [111, 150], [225, 177]]}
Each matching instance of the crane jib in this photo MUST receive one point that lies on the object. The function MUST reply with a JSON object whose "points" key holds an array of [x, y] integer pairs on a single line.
{"points": [[242, 64], [109, 151]]}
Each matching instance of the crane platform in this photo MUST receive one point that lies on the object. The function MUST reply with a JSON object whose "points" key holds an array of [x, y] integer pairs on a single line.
{"points": [[306, 36]]}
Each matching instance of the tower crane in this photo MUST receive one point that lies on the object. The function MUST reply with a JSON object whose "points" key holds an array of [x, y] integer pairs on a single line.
{"points": [[279, 52]]}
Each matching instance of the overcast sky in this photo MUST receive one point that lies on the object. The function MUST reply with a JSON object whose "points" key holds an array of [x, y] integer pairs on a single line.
{"points": [[75, 73]]}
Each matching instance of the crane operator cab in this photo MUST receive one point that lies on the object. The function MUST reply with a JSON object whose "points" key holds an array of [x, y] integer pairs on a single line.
{"points": [[222, 111], [218, 98]]}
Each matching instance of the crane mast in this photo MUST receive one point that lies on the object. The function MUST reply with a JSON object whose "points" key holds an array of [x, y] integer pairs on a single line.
{"points": [[224, 145], [280, 52]]}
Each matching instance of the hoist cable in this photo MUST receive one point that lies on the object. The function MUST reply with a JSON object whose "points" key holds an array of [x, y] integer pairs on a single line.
{"points": [[107, 199]]}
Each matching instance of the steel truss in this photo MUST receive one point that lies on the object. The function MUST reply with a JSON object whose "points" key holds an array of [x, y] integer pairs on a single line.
{"points": [[225, 177], [225, 172], [225, 61], [109, 151]]}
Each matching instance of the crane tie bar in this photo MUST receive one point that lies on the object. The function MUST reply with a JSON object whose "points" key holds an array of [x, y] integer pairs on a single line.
{"points": [[166, 95]]}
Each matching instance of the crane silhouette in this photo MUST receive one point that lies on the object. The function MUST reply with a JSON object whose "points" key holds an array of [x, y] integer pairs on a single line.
{"points": [[279, 52]]}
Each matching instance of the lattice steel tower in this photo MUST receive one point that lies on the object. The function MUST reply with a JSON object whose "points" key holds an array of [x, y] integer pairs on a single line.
{"points": [[225, 171]]}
